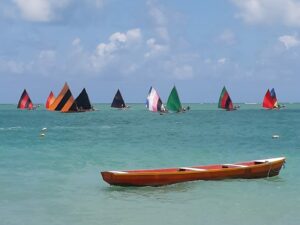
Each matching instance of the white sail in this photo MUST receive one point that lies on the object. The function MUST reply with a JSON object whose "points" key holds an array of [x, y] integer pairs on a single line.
{"points": [[154, 102]]}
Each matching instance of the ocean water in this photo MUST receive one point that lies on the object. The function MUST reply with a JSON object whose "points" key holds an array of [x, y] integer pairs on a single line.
{"points": [[55, 179]]}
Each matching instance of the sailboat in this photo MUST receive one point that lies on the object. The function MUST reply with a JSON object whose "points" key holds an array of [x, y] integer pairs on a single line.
{"points": [[225, 101], [270, 100], [65, 101], [273, 95], [83, 102], [25, 101], [173, 103], [50, 100], [154, 102], [118, 101]]}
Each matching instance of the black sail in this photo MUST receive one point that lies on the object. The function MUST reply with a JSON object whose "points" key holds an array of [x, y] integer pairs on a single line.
{"points": [[83, 101], [118, 101]]}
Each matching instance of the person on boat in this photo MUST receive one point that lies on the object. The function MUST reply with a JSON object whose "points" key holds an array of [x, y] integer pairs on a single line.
{"points": [[236, 107]]}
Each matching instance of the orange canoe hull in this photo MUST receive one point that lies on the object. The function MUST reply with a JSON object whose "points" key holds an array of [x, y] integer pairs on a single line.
{"points": [[158, 177]]}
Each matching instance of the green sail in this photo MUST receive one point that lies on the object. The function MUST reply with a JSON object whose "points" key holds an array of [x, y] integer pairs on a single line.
{"points": [[174, 103]]}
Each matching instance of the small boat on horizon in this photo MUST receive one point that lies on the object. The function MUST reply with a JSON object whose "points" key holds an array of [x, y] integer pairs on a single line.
{"points": [[225, 101], [50, 100], [158, 177], [118, 101], [66, 103], [25, 102], [270, 100], [154, 102], [174, 103]]}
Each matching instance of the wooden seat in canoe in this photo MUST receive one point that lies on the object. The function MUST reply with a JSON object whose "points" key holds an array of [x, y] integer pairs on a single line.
{"points": [[191, 168], [117, 172], [233, 165]]}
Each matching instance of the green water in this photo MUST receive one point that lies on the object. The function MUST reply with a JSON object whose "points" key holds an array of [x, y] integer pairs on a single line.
{"points": [[55, 179]]}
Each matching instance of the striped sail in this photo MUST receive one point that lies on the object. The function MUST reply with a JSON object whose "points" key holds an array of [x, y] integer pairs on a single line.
{"points": [[25, 101], [65, 101], [225, 100], [50, 100], [154, 102]]}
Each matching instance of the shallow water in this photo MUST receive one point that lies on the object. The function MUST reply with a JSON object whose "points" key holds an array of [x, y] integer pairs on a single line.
{"points": [[55, 179]]}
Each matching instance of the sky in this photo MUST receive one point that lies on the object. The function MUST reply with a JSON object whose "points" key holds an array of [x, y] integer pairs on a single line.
{"points": [[102, 45]]}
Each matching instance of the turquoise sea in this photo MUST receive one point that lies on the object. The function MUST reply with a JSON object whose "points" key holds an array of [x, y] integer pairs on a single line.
{"points": [[55, 179]]}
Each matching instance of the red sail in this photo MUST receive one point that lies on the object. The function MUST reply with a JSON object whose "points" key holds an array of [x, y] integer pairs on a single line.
{"points": [[225, 100], [268, 101], [50, 100], [25, 101]]}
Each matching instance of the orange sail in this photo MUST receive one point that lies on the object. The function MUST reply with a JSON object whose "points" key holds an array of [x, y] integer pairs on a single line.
{"points": [[65, 101], [50, 100], [268, 102], [25, 101]]}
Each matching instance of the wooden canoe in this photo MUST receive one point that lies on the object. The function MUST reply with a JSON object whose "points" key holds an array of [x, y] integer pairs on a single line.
{"points": [[158, 177]]}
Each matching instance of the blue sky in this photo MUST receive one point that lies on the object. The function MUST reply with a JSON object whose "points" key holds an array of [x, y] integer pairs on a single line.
{"points": [[103, 45]]}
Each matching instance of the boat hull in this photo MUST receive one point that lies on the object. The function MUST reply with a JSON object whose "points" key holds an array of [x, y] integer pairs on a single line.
{"points": [[159, 177]]}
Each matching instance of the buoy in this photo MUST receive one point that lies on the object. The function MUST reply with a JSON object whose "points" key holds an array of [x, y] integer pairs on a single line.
{"points": [[42, 134], [275, 136], [45, 128]]}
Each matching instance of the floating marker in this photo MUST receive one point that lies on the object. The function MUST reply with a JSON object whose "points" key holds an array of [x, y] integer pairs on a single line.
{"points": [[44, 129], [275, 136]]}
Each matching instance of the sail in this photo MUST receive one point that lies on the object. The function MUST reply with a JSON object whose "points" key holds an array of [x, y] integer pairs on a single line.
{"points": [[273, 95], [174, 103], [268, 100], [50, 100], [225, 100], [25, 101], [118, 101], [65, 101], [83, 102], [154, 102]]}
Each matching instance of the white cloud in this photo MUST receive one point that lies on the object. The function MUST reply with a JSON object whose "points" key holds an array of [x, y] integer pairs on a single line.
{"points": [[182, 66], [40, 10], [41, 63], [227, 37], [160, 20], [106, 52], [154, 48], [97, 3], [184, 72], [285, 12], [76, 42], [222, 61], [289, 41], [12, 66], [47, 55]]}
